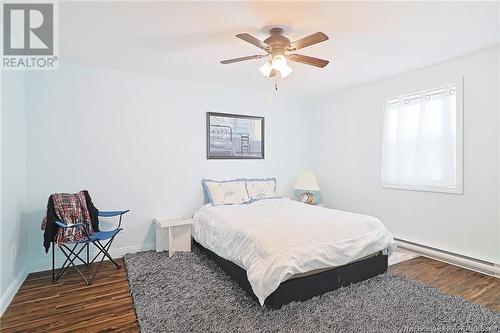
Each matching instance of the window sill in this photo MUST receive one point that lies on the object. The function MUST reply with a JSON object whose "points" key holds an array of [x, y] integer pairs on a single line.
{"points": [[444, 190]]}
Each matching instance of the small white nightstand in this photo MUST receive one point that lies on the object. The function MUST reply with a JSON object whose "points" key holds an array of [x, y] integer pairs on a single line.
{"points": [[173, 234]]}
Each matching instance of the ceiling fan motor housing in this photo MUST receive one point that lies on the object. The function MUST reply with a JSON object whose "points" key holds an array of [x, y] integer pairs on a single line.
{"points": [[278, 43]]}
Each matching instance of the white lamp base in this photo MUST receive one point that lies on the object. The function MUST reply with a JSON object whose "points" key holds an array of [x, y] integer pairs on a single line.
{"points": [[308, 198]]}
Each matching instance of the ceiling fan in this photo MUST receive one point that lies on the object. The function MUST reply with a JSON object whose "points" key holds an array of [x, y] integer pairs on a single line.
{"points": [[277, 46]]}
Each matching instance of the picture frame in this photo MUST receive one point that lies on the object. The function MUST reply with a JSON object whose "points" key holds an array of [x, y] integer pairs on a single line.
{"points": [[234, 136]]}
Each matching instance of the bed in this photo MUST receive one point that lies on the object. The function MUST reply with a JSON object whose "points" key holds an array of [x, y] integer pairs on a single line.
{"points": [[279, 250], [221, 141]]}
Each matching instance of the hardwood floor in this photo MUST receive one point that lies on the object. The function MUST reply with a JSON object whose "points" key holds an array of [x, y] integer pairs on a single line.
{"points": [[70, 306], [475, 287], [106, 306]]}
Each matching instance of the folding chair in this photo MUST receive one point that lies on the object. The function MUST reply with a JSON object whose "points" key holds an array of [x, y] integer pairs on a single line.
{"points": [[71, 254]]}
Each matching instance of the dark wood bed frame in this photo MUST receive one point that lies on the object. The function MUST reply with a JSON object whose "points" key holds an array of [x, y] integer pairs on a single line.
{"points": [[306, 287]]}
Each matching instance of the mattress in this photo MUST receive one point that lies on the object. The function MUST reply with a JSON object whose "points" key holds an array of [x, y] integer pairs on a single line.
{"points": [[277, 239], [319, 270]]}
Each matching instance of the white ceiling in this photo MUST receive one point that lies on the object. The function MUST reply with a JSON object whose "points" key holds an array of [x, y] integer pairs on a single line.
{"points": [[368, 40]]}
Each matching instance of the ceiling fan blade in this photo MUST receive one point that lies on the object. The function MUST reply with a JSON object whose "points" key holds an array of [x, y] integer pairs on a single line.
{"points": [[230, 61], [308, 60], [315, 38], [252, 40]]}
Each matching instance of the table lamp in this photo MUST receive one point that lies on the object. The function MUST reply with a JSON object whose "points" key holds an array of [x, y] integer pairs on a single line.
{"points": [[307, 183]]}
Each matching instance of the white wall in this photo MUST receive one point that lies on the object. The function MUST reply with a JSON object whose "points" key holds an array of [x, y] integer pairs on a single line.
{"points": [[13, 185], [349, 129], [138, 142]]}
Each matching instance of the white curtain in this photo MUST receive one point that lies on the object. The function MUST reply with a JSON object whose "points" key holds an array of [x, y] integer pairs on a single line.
{"points": [[420, 140]]}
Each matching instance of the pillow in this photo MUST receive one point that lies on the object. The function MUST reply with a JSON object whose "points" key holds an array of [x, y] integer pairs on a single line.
{"points": [[261, 188], [226, 192], [206, 196]]}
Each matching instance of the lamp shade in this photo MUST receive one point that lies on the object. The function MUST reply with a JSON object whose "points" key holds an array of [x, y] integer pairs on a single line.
{"points": [[266, 69], [307, 182], [285, 71]]}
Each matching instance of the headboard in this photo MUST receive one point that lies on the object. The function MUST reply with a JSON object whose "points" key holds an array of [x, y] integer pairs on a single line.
{"points": [[221, 133]]}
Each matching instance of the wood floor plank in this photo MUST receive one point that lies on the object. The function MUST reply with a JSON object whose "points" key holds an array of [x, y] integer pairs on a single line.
{"points": [[473, 286], [71, 306], [106, 305]]}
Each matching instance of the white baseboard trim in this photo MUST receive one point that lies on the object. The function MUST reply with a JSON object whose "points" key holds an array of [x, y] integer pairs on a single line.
{"points": [[11, 291], [476, 265], [46, 264]]}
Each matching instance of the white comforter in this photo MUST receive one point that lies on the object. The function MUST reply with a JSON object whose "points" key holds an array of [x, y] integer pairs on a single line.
{"points": [[274, 239]]}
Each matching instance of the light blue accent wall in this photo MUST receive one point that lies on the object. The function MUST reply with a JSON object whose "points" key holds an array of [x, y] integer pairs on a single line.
{"points": [[13, 244], [149, 141]]}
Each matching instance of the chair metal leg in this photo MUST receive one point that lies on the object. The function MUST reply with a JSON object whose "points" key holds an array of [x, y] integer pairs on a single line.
{"points": [[71, 261], [87, 255], [105, 252], [76, 256], [107, 246], [97, 268], [53, 263], [65, 265]]}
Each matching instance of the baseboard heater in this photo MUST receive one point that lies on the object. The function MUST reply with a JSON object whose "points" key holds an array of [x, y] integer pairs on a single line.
{"points": [[473, 264]]}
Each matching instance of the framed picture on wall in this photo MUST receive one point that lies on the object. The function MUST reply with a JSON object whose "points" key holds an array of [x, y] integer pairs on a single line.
{"points": [[234, 136]]}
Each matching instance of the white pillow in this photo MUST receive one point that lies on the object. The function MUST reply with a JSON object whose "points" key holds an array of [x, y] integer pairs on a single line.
{"points": [[226, 192], [261, 188]]}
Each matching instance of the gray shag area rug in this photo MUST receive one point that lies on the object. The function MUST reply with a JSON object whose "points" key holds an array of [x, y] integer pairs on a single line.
{"points": [[189, 293]]}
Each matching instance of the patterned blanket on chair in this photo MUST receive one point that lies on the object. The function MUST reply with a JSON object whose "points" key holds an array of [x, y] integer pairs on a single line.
{"points": [[69, 209]]}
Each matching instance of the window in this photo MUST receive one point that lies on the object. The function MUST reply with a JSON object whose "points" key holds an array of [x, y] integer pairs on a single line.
{"points": [[422, 141]]}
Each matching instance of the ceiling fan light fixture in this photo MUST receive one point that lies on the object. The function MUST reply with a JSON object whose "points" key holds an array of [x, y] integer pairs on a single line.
{"points": [[285, 70], [266, 69], [278, 62]]}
